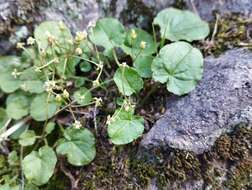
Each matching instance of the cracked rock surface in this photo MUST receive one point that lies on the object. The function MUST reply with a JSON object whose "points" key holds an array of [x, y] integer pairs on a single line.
{"points": [[222, 99]]}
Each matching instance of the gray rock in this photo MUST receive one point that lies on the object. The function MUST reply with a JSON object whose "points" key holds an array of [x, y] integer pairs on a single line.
{"points": [[222, 99], [206, 8]]}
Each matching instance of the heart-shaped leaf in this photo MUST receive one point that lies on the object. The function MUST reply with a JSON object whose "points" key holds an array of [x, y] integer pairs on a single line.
{"points": [[78, 145], [128, 80], [180, 66], [125, 127], [43, 107], [39, 166], [108, 33], [181, 25]]}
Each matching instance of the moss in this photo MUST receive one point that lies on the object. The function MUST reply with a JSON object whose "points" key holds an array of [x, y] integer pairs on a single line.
{"points": [[240, 177], [231, 32]]}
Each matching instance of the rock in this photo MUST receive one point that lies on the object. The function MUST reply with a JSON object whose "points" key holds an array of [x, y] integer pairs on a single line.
{"points": [[206, 8], [222, 99]]}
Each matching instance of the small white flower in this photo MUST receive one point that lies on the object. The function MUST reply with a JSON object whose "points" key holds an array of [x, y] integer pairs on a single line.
{"points": [[98, 101], [50, 85], [77, 124], [30, 41], [80, 36], [20, 45], [96, 83], [15, 73]]}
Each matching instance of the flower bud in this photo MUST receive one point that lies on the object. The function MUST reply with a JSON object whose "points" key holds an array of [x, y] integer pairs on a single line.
{"points": [[143, 44], [133, 34], [78, 51]]}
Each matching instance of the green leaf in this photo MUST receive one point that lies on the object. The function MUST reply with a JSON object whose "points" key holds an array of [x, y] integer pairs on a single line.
{"points": [[143, 66], [8, 187], [132, 46], [49, 127], [30, 186], [128, 81], [78, 145], [178, 25], [33, 86], [3, 117], [180, 66], [17, 105], [125, 127], [39, 166], [83, 96], [9, 62], [27, 138], [13, 158], [43, 107], [108, 33], [51, 28], [9, 83], [85, 66]]}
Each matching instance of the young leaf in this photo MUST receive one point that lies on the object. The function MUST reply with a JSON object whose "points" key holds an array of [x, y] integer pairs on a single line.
{"points": [[108, 33], [143, 66], [180, 66], [3, 117], [17, 105], [78, 145], [128, 81], [27, 138], [178, 25], [132, 47], [43, 107], [39, 166], [51, 29], [125, 127], [83, 96], [49, 127]]}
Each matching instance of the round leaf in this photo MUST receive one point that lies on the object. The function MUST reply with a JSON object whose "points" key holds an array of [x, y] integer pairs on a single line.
{"points": [[181, 25], [27, 138], [128, 80], [51, 28], [125, 127], [78, 145], [180, 66], [108, 33], [39, 166], [132, 46], [43, 107], [17, 106], [83, 96]]}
